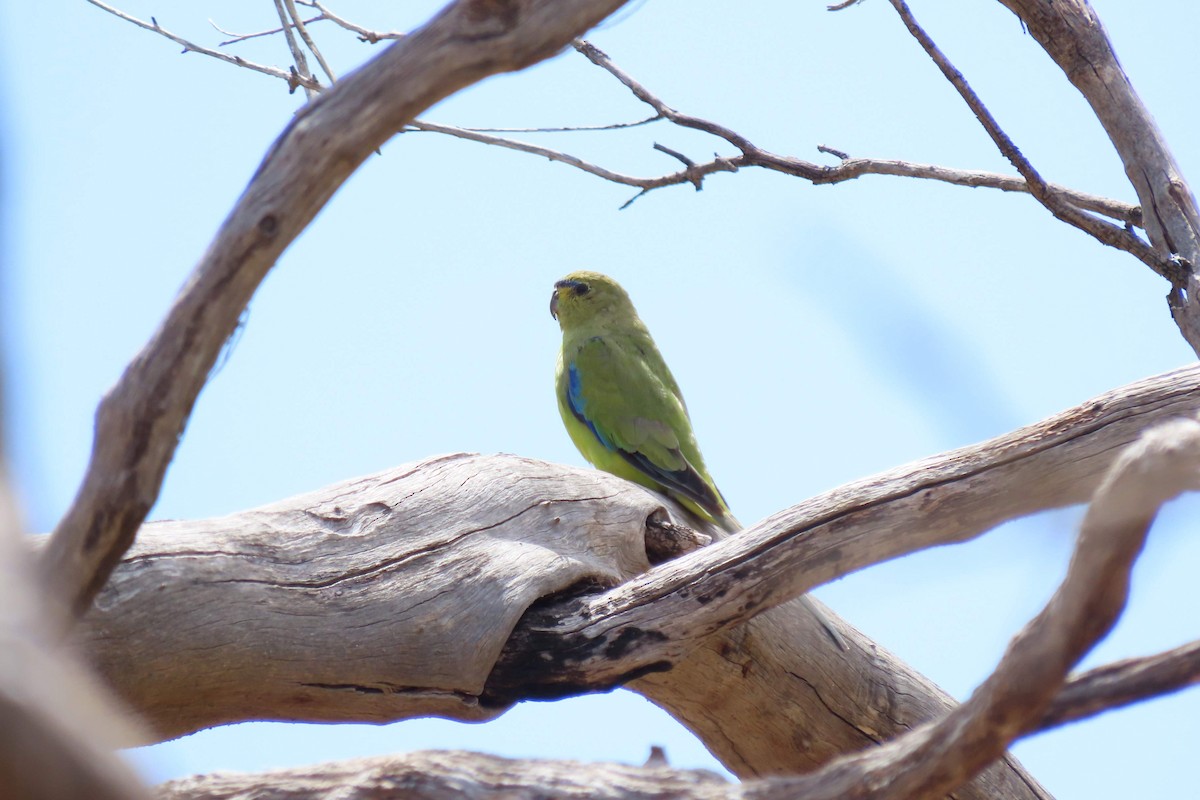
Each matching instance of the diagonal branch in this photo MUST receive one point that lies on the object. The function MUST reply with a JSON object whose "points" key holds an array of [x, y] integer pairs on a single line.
{"points": [[1105, 232], [1122, 683], [935, 759], [952, 497], [141, 419], [1071, 33], [300, 70]]}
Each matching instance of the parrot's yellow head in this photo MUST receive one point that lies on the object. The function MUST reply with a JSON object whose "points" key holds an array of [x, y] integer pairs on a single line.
{"points": [[586, 297]]}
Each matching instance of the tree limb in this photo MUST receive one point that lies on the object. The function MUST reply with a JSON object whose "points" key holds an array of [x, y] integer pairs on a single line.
{"points": [[952, 497], [1073, 36], [141, 419], [933, 760], [442, 775], [925, 763], [1104, 232], [200, 610], [1122, 683]]}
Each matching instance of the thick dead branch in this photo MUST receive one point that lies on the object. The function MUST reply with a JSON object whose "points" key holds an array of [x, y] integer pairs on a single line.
{"points": [[948, 498], [199, 611], [452, 776], [1072, 34], [141, 419], [924, 763]]}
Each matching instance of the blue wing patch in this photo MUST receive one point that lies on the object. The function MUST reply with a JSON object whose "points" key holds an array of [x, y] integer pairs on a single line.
{"points": [[577, 403], [686, 482]]}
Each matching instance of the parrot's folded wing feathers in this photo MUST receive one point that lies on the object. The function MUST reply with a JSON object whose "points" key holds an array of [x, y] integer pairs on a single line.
{"points": [[610, 392]]}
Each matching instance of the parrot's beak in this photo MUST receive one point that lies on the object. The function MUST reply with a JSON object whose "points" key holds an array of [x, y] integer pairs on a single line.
{"points": [[554, 304]]}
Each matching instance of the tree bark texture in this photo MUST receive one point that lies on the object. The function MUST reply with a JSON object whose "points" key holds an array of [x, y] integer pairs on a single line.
{"points": [[395, 595]]}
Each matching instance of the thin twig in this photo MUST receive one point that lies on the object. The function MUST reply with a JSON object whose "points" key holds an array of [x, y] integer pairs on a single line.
{"points": [[601, 59], [308, 40], [301, 63], [850, 168], [373, 37], [685, 176], [614, 126], [752, 156], [188, 46], [1105, 232], [236, 38]]}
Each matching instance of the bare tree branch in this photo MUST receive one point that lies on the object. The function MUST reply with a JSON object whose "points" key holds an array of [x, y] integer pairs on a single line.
{"points": [[948, 498], [751, 155], [57, 725], [372, 37], [308, 40], [188, 46], [236, 38], [190, 673], [935, 759], [930, 760], [437, 775], [140, 421], [303, 77], [1072, 35], [1122, 683], [1105, 232]]}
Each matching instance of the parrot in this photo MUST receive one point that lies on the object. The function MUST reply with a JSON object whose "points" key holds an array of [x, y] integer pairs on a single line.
{"points": [[622, 407]]}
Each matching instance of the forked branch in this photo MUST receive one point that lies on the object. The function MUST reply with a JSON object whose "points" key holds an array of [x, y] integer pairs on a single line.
{"points": [[749, 155], [142, 418]]}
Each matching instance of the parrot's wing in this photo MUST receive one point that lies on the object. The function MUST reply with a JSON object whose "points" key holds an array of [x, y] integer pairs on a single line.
{"points": [[635, 413]]}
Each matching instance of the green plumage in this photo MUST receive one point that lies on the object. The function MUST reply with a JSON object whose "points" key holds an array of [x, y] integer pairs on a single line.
{"points": [[619, 401], [622, 407]]}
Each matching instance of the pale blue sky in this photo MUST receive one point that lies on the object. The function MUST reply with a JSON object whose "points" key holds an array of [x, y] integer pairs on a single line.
{"points": [[820, 333]]}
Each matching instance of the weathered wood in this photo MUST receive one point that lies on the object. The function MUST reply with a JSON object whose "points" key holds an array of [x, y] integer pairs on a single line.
{"points": [[450, 775], [926, 762], [948, 498], [392, 596], [1123, 682], [936, 758], [381, 598]]}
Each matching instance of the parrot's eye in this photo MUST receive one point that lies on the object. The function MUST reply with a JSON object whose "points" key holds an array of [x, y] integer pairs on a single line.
{"points": [[581, 289]]}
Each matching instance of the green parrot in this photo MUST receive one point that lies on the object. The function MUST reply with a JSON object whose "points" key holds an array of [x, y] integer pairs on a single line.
{"points": [[622, 407]]}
